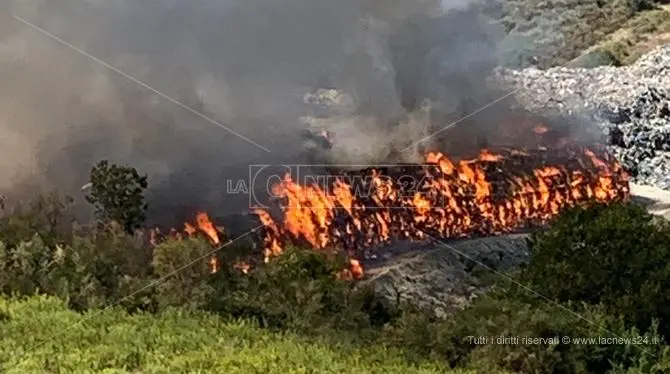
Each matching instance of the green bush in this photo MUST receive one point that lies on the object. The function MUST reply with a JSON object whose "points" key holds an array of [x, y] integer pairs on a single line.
{"points": [[183, 269], [109, 267], [97, 270], [26, 268], [509, 313], [617, 255], [47, 216], [299, 290]]}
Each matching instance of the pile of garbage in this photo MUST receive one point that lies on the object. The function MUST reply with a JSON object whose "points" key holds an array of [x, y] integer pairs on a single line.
{"points": [[628, 105]]}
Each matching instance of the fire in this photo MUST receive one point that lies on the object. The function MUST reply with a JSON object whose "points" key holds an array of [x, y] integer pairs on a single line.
{"points": [[493, 193], [189, 229], [206, 226], [490, 194]]}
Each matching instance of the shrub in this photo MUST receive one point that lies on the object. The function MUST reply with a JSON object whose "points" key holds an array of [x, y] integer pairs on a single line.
{"points": [[109, 267], [299, 290], [47, 216], [25, 268], [117, 194], [617, 255], [97, 270], [183, 267], [505, 314]]}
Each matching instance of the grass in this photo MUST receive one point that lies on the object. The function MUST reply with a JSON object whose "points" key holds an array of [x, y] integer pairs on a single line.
{"points": [[40, 335]]}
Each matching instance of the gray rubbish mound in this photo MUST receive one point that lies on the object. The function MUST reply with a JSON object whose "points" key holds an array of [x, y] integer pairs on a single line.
{"points": [[628, 105], [444, 276]]}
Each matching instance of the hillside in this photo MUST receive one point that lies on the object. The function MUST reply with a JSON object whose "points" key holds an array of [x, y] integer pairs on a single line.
{"points": [[112, 341], [556, 32]]}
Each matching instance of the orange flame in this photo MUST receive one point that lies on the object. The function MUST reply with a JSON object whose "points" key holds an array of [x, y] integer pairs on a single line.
{"points": [[456, 199], [206, 226], [203, 224], [490, 194], [189, 229]]}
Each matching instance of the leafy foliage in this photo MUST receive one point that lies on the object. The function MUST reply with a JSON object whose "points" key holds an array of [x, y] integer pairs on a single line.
{"points": [[637, 36], [117, 193], [299, 291], [47, 216], [616, 255], [507, 313], [183, 267], [92, 272], [109, 267]]}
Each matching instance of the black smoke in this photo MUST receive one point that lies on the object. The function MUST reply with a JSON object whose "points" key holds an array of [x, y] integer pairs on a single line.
{"points": [[409, 66]]}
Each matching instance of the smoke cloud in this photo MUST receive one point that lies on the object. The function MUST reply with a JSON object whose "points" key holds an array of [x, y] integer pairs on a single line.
{"points": [[404, 67]]}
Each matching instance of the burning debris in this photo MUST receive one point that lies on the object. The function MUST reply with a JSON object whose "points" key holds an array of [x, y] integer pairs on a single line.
{"points": [[525, 172], [496, 192], [490, 194]]}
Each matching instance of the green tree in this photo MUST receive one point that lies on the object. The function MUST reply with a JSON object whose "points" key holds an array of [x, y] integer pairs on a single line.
{"points": [[117, 193]]}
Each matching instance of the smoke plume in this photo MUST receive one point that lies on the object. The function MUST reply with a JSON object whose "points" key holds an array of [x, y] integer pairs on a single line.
{"points": [[406, 68]]}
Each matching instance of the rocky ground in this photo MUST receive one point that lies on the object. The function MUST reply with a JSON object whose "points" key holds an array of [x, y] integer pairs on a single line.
{"points": [[628, 104]]}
